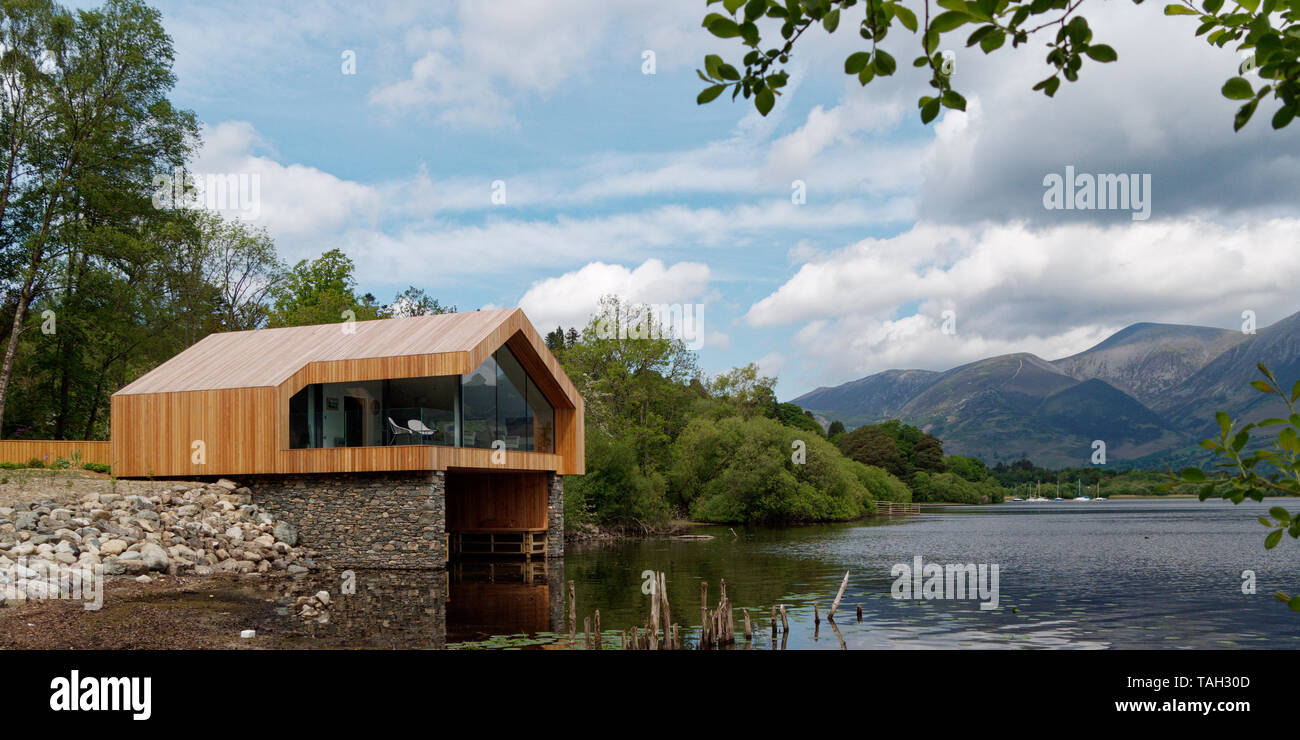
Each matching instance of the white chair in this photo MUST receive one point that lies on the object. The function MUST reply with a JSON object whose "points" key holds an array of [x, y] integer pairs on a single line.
{"points": [[397, 430], [419, 428]]}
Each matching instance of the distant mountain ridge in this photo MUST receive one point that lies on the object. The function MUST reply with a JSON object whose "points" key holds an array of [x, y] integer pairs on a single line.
{"points": [[1147, 390]]}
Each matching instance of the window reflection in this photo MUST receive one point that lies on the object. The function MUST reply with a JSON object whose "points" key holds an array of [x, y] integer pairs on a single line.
{"points": [[497, 401]]}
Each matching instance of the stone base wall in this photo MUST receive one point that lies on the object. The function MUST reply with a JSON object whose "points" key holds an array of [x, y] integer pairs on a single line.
{"points": [[363, 520], [554, 515]]}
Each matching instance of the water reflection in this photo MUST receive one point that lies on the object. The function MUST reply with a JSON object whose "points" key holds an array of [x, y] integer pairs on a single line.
{"points": [[1119, 574]]}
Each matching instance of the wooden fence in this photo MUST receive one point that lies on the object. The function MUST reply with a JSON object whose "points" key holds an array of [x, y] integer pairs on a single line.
{"points": [[894, 508], [47, 451]]}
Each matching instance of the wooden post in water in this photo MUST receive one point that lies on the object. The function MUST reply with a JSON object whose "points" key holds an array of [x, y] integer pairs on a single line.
{"points": [[573, 613], [654, 612], [859, 612], [774, 620], [785, 625], [586, 631], [843, 585], [817, 618], [663, 597], [704, 604], [749, 628], [596, 636]]}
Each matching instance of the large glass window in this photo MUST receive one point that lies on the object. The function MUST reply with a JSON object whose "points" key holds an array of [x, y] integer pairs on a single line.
{"points": [[478, 393], [497, 401]]}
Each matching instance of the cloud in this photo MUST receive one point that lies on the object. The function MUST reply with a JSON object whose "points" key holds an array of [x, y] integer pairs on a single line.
{"points": [[1157, 110], [572, 298], [1053, 291]]}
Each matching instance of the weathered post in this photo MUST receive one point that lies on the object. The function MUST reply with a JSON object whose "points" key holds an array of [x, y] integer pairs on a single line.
{"points": [[843, 585], [749, 628]]}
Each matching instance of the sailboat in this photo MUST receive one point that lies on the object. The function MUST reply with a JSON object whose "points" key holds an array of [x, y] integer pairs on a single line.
{"points": [[1081, 496]]}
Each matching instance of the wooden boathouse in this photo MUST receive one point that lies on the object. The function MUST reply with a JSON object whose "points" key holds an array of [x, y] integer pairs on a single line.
{"points": [[391, 443]]}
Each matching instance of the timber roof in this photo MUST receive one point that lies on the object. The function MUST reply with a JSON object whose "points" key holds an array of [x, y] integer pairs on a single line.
{"points": [[270, 357]]}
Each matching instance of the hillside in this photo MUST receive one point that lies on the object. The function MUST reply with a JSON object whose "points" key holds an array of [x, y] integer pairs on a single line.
{"points": [[1149, 391]]}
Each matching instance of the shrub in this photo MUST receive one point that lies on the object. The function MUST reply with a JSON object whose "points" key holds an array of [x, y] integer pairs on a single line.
{"points": [[35, 462], [741, 470], [97, 467]]}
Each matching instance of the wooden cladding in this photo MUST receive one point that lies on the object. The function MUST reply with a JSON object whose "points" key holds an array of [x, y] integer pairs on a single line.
{"points": [[478, 502], [48, 451], [183, 419]]}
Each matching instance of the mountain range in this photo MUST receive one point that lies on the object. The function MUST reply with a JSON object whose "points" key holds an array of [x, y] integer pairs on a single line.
{"points": [[1149, 391]]}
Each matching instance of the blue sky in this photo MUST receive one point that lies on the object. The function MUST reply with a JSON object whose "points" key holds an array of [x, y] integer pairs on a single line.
{"points": [[616, 181]]}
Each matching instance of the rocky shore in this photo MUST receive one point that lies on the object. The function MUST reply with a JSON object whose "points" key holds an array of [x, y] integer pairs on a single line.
{"points": [[184, 528]]}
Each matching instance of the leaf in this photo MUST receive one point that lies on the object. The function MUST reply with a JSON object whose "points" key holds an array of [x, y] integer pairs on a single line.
{"points": [[1295, 391], [952, 100], [948, 21], [709, 93], [711, 64], [1243, 115], [1225, 421], [1195, 475], [764, 101], [831, 21], [1049, 86], [1101, 53], [1179, 10], [992, 41], [930, 110], [1294, 604], [724, 28], [1280, 121], [1262, 386], [856, 61], [1272, 539], [1212, 6], [1238, 88], [1280, 514], [906, 17], [884, 63]]}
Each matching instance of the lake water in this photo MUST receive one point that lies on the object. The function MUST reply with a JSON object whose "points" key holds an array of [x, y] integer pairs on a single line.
{"points": [[1102, 574]]}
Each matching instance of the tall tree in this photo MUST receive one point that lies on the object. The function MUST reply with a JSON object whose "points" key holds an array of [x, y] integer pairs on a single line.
{"points": [[86, 125], [321, 291]]}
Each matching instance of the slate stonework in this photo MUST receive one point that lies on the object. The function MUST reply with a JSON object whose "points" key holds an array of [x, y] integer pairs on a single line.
{"points": [[363, 520], [554, 515]]}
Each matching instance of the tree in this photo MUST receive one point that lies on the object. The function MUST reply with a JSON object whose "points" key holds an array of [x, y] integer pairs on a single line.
{"points": [[749, 391], [84, 125], [555, 340], [1238, 473], [836, 427], [320, 291], [241, 265], [870, 445], [1271, 29], [414, 302], [634, 384]]}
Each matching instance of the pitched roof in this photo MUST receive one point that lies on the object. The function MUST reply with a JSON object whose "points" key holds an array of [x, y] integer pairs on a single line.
{"points": [[268, 357]]}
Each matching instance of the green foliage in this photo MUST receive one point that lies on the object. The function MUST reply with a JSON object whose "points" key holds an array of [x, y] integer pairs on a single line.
{"points": [[320, 291], [951, 488], [969, 468], [615, 491], [741, 470], [794, 416], [414, 302], [97, 467], [899, 448], [1241, 470], [1271, 28], [836, 428]]}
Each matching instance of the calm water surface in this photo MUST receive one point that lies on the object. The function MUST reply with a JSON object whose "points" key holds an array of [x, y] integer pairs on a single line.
{"points": [[1101, 574]]}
